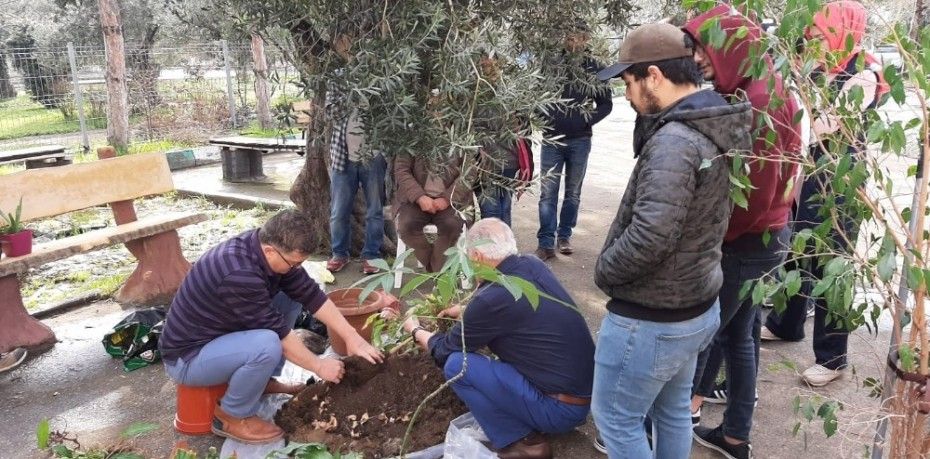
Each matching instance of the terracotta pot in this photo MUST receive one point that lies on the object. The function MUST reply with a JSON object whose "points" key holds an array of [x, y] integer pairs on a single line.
{"points": [[17, 244], [346, 301]]}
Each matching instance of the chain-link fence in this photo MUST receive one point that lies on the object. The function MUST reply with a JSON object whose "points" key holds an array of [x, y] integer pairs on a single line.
{"points": [[178, 96]]}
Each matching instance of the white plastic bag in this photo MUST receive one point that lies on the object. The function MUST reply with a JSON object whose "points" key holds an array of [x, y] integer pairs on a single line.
{"points": [[269, 406], [466, 440]]}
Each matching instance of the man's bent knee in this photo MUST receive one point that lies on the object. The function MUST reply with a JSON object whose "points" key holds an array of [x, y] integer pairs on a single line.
{"points": [[454, 365], [267, 346]]}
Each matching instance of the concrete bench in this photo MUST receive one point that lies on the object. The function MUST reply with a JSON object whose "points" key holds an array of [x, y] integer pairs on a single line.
{"points": [[153, 241], [242, 156], [37, 157]]}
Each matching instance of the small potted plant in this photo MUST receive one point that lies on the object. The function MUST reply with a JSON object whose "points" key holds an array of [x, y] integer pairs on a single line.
{"points": [[15, 239]]}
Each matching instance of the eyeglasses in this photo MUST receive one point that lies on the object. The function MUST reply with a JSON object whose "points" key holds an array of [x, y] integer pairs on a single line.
{"points": [[291, 266]]}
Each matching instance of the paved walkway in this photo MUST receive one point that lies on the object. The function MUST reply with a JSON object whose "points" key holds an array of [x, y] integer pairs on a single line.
{"points": [[82, 391]]}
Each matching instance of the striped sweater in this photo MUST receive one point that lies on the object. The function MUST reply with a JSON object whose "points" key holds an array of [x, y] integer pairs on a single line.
{"points": [[229, 289]]}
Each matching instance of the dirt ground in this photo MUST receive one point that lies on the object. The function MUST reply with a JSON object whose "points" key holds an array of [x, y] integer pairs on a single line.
{"points": [[81, 390]]}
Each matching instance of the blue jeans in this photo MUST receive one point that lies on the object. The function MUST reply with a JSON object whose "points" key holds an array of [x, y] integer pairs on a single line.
{"points": [[573, 157], [505, 404], [738, 337], [645, 368], [495, 200], [343, 186], [246, 360]]}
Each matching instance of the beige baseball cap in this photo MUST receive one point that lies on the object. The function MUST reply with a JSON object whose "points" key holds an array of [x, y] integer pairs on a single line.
{"points": [[649, 43]]}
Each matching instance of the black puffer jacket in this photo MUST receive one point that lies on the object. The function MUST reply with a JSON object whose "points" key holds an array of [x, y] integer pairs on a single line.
{"points": [[661, 260]]}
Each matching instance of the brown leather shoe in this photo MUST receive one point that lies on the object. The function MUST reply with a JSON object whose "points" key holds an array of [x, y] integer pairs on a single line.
{"points": [[277, 387], [532, 446], [565, 247], [545, 254], [251, 430]]}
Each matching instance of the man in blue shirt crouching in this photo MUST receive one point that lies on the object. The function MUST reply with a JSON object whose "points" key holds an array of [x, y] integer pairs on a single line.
{"points": [[542, 379]]}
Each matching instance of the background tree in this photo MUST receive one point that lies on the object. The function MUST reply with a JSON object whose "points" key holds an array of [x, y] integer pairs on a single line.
{"points": [[425, 75]]}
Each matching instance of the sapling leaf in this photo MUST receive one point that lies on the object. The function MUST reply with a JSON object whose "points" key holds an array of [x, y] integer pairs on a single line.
{"points": [[446, 286], [906, 357], [139, 428], [42, 434], [380, 264], [367, 291], [528, 290], [745, 289], [413, 284], [792, 283], [886, 266]]}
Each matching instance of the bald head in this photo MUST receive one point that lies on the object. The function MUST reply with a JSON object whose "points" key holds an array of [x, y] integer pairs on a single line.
{"points": [[491, 240]]}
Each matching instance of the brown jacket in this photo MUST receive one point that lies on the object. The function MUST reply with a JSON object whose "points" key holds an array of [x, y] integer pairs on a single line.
{"points": [[410, 174]]}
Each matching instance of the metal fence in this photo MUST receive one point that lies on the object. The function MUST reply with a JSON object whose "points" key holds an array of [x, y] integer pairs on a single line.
{"points": [[177, 95]]}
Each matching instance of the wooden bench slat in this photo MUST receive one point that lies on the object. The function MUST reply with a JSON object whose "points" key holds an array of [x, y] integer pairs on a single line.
{"points": [[27, 153], [257, 143], [93, 240], [58, 190], [34, 158]]}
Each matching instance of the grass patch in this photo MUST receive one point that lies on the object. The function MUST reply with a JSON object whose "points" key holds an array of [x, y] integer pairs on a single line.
{"points": [[253, 130], [107, 285], [40, 293], [23, 117]]}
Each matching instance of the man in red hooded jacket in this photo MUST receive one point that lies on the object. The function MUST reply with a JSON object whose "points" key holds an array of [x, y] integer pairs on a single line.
{"points": [[758, 232], [833, 29]]}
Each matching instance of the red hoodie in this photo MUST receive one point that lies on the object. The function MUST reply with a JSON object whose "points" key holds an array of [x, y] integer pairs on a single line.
{"points": [[769, 206], [846, 20]]}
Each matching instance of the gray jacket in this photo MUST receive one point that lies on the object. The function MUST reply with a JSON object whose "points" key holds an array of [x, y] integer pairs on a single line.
{"points": [[661, 260]]}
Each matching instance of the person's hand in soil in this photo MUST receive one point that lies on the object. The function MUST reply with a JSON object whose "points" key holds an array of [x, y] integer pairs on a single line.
{"points": [[357, 346], [331, 370], [337, 324], [452, 312]]}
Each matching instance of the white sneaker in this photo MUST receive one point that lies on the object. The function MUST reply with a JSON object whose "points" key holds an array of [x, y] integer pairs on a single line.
{"points": [[819, 375], [12, 359], [766, 335]]}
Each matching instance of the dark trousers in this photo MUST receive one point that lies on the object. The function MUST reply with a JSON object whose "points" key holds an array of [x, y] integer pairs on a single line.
{"points": [[410, 223], [738, 337], [506, 405], [830, 335]]}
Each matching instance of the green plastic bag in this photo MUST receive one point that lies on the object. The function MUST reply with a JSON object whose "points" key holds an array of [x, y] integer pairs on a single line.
{"points": [[135, 338]]}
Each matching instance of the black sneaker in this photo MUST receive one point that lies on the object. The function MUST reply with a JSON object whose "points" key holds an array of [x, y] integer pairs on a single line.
{"points": [[599, 444], [713, 439], [719, 395]]}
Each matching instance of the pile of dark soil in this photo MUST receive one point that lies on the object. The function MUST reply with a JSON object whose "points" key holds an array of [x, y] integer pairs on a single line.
{"points": [[368, 412]]}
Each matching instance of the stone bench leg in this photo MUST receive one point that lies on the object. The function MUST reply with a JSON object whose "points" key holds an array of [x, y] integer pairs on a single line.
{"points": [[17, 327], [158, 274]]}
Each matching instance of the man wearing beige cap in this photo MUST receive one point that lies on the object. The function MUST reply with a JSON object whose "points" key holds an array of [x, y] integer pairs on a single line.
{"points": [[660, 264]]}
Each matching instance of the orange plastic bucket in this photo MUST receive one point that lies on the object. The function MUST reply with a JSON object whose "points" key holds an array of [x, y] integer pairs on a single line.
{"points": [[194, 414]]}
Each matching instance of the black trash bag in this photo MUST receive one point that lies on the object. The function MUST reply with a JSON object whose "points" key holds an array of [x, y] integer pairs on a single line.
{"points": [[135, 338], [306, 321]]}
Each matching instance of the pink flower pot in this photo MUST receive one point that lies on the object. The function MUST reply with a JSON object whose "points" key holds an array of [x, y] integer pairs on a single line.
{"points": [[17, 244]]}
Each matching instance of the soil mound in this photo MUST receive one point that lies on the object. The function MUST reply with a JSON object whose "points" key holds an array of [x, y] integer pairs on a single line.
{"points": [[370, 410]]}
